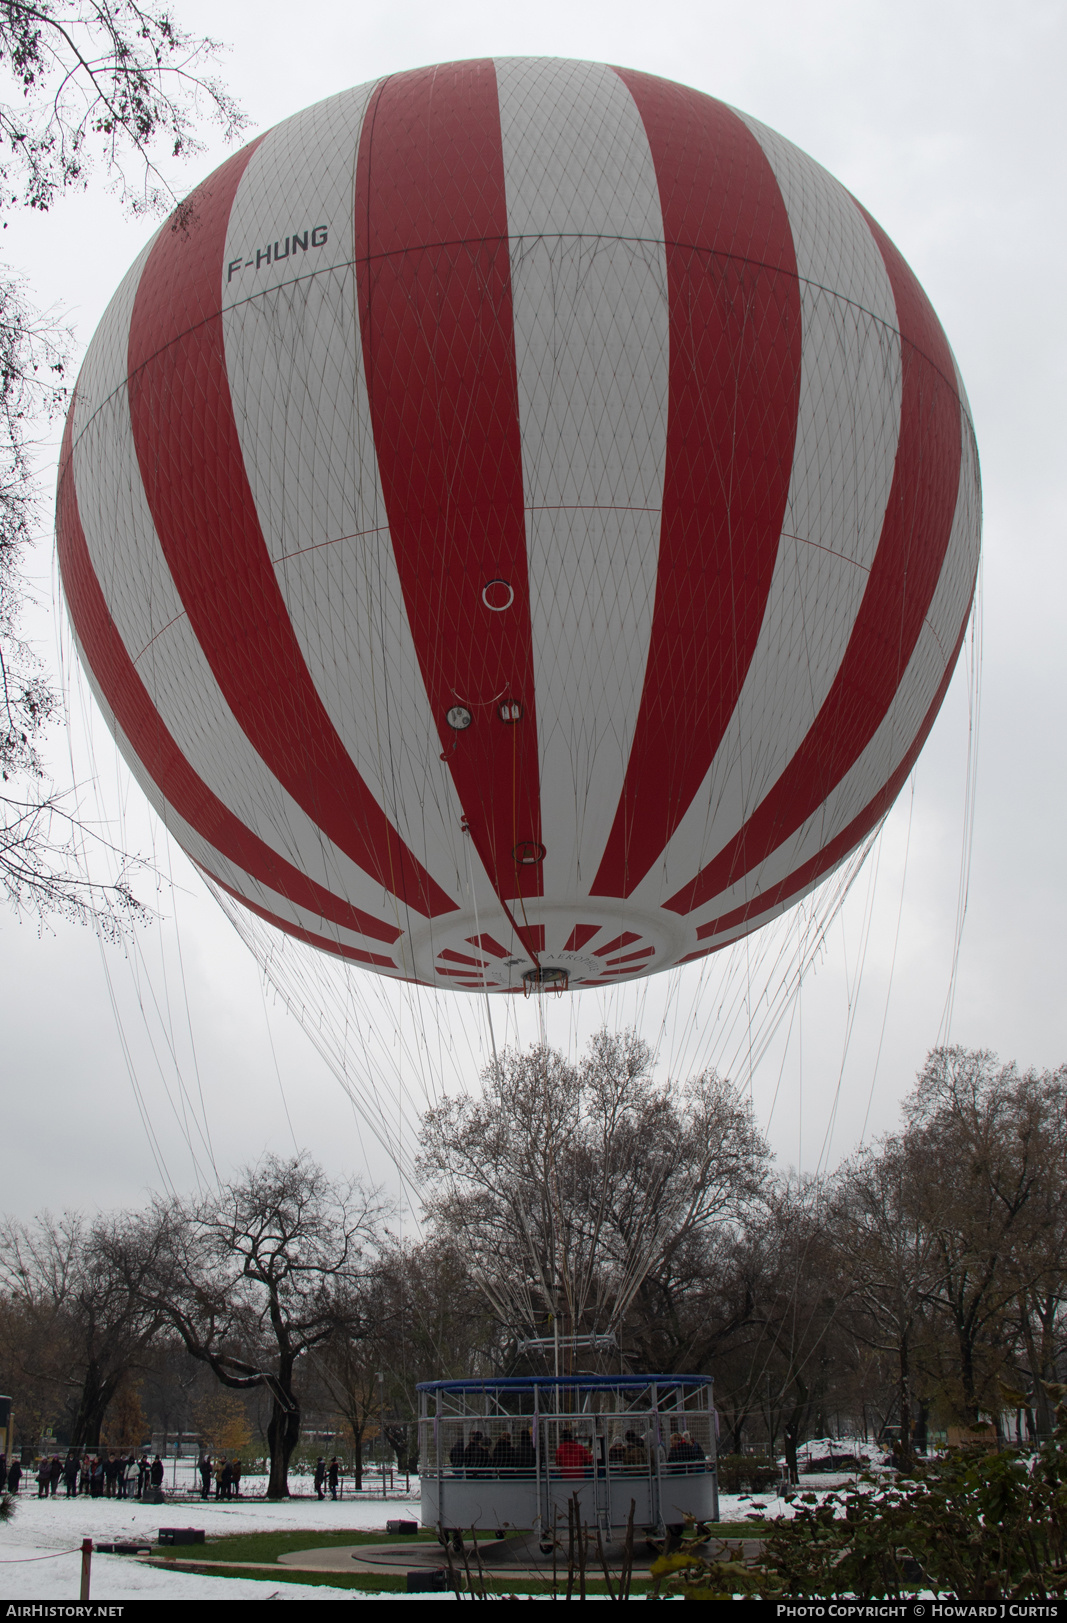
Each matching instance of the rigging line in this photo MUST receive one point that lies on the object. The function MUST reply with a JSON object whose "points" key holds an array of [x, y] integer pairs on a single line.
{"points": [[189, 1020], [167, 1025], [843, 890], [974, 698], [478, 933], [748, 1003], [188, 1108], [800, 1075], [135, 957], [274, 1057], [868, 917], [781, 1068], [892, 965], [150, 1134], [245, 926], [68, 667]]}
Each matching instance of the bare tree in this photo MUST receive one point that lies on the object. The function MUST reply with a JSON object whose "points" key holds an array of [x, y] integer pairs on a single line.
{"points": [[111, 81], [254, 1277], [571, 1187], [885, 1221], [990, 1150], [797, 1298], [418, 1317], [83, 1318]]}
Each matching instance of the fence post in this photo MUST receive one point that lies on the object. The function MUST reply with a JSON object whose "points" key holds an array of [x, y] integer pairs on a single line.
{"points": [[87, 1562]]}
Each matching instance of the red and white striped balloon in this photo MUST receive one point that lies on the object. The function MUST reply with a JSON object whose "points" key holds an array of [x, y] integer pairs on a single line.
{"points": [[519, 518]]}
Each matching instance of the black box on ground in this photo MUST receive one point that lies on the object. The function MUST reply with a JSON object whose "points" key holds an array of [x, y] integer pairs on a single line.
{"points": [[431, 1580], [401, 1527], [181, 1535]]}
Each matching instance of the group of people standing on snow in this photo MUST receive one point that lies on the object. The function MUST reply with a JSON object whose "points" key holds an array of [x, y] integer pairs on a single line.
{"points": [[225, 1474], [327, 1475], [100, 1476]]}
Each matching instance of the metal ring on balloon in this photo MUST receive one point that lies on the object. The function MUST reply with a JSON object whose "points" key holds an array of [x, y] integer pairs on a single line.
{"points": [[497, 608], [528, 852]]}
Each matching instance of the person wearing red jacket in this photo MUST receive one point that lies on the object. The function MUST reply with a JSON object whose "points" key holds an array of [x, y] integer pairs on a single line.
{"points": [[573, 1459]]}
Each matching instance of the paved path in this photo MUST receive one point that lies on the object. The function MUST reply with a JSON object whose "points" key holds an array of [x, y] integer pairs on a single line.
{"points": [[511, 1557]]}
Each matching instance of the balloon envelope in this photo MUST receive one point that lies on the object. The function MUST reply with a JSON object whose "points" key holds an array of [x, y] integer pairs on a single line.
{"points": [[519, 519]]}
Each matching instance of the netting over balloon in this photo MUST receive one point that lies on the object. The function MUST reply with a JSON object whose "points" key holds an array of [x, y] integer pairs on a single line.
{"points": [[520, 520]]}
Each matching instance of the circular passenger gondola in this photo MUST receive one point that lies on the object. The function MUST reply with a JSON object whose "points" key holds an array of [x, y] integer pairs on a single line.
{"points": [[513, 1452]]}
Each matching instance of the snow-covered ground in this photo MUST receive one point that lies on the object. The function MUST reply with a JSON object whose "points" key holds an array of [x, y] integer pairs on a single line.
{"points": [[54, 1528], [819, 1448], [44, 1527]]}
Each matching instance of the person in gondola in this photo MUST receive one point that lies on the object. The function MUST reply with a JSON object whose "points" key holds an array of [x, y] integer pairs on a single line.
{"points": [[525, 1456], [573, 1459], [455, 1454], [684, 1454], [636, 1454], [503, 1460], [476, 1455]]}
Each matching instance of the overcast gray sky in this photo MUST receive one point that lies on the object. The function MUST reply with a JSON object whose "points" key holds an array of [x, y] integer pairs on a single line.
{"points": [[947, 121]]}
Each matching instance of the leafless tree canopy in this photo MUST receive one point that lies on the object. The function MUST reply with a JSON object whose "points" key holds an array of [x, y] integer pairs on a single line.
{"points": [[103, 80], [74, 1319], [254, 1277], [570, 1185], [117, 84]]}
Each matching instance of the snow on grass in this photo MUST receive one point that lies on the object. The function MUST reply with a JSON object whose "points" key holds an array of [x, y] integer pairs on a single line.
{"points": [[41, 1527]]}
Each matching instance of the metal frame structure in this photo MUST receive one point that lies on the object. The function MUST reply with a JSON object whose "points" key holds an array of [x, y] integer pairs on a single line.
{"points": [[493, 1453]]}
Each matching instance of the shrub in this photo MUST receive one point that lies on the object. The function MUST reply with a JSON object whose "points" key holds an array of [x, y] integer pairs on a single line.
{"points": [[977, 1529], [747, 1473]]}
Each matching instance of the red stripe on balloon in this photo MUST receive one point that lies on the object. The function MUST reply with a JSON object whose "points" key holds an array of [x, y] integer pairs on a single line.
{"points": [[907, 566], [155, 748], [733, 396], [488, 943], [338, 948], [839, 847], [705, 952], [434, 280], [193, 471], [617, 943]]}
